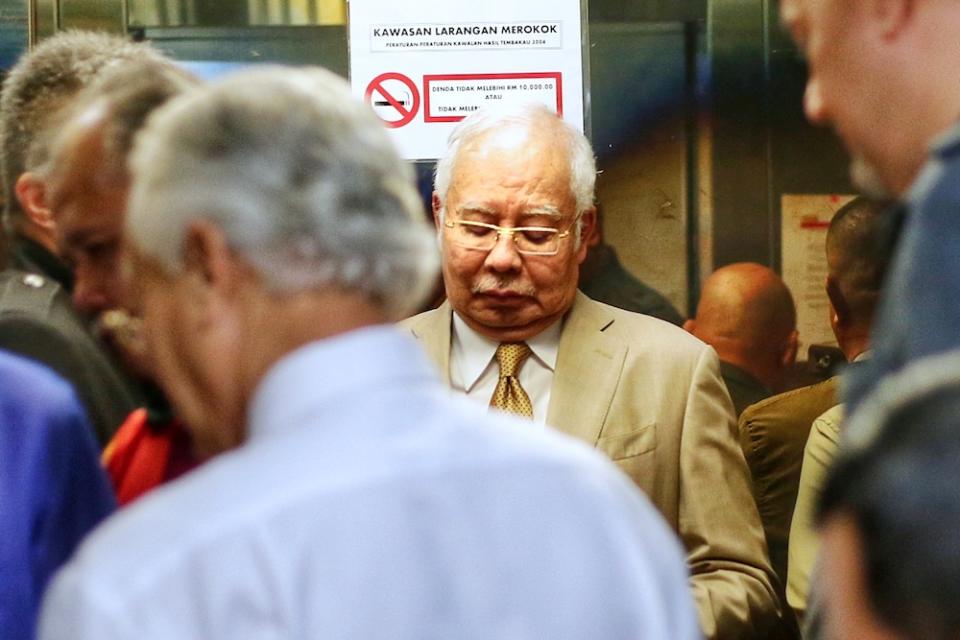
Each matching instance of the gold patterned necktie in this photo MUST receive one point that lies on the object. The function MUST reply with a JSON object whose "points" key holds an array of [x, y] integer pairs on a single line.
{"points": [[509, 396]]}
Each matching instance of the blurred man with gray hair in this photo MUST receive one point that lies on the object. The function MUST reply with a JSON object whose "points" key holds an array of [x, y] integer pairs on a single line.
{"points": [[274, 234], [36, 317], [513, 198]]}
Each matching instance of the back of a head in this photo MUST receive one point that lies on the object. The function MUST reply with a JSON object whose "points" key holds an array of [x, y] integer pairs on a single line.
{"points": [[300, 177], [40, 84], [897, 479], [858, 255], [745, 308]]}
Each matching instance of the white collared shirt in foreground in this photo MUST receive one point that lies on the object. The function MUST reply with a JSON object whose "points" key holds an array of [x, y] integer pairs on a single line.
{"points": [[370, 502]]}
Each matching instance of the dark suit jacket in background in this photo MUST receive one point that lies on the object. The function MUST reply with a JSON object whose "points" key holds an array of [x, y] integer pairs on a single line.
{"points": [[38, 321], [608, 282], [744, 389]]}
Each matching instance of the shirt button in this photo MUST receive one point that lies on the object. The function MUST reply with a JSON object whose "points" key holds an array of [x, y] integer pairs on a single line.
{"points": [[33, 280]]}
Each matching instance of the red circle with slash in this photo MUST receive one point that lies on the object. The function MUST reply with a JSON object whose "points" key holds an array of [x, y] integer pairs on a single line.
{"points": [[394, 98]]}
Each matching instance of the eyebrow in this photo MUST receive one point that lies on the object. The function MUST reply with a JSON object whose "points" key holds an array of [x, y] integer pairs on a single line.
{"points": [[547, 210], [543, 210], [476, 207]]}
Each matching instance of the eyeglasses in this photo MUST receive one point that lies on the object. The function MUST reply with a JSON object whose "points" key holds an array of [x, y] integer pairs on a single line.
{"points": [[530, 241]]}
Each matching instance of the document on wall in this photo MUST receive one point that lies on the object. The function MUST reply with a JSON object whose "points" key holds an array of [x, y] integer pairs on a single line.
{"points": [[805, 220], [424, 65]]}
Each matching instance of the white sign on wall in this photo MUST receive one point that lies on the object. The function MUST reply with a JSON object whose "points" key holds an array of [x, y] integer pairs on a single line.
{"points": [[803, 235], [424, 65]]}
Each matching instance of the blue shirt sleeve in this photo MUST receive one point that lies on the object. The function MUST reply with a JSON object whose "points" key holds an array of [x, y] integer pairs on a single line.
{"points": [[52, 488]]}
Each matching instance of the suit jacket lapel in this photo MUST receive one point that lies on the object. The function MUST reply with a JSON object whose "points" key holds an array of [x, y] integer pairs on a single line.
{"points": [[589, 365], [432, 329]]}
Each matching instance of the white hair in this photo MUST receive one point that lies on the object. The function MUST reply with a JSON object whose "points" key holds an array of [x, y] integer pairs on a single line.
{"points": [[301, 178], [535, 117]]}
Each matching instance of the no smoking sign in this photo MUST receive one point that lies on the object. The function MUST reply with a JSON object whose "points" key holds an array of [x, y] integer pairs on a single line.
{"points": [[394, 97]]}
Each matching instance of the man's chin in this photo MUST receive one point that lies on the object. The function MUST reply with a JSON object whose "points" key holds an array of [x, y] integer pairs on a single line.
{"points": [[866, 177], [502, 324]]}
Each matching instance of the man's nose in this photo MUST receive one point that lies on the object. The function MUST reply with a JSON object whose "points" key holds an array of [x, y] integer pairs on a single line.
{"points": [[504, 255], [813, 105], [88, 297]]}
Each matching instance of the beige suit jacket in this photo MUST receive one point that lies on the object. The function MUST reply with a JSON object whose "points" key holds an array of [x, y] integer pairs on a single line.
{"points": [[650, 396]]}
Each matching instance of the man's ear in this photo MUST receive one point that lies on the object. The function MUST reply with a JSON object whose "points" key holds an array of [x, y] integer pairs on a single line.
{"points": [[588, 224], [892, 17], [208, 261], [437, 205], [31, 192], [841, 310], [789, 355]]}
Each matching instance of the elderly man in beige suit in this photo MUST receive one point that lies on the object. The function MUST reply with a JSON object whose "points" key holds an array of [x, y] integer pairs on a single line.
{"points": [[513, 196]]}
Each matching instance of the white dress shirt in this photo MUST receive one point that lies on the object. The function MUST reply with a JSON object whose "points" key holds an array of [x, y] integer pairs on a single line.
{"points": [[475, 372], [368, 502]]}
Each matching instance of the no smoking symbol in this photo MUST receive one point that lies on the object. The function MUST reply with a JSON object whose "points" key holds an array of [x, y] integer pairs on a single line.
{"points": [[394, 97]]}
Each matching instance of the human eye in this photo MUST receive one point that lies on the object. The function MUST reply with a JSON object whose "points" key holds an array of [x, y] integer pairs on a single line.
{"points": [[538, 235], [100, 250], [476, 229]]}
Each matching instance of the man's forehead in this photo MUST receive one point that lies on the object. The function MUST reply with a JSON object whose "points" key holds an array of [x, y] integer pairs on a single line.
{"points": [[78, 161], [520, 159]]}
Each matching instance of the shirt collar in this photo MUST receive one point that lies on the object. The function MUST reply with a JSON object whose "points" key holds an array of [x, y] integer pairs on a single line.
{"points": [[323, 372], [946, 139], [474, 351]]}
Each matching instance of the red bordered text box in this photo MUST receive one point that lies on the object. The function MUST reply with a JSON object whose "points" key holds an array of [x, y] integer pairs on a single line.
{"points": [[554, 75]]}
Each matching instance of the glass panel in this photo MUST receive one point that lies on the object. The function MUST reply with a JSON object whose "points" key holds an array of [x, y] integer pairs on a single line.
{"points": [[14, 31], [185, 13]]}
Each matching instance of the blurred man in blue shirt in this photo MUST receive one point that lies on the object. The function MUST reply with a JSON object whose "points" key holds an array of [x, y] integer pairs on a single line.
{"points": [[52, 489]]}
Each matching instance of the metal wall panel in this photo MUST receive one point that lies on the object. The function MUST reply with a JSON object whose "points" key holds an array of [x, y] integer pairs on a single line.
{"points": [[639, 90], [102, 15], [762, 146], [740, 104], [648, 10], [235, 13], [15, 24], [45, 14]]}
